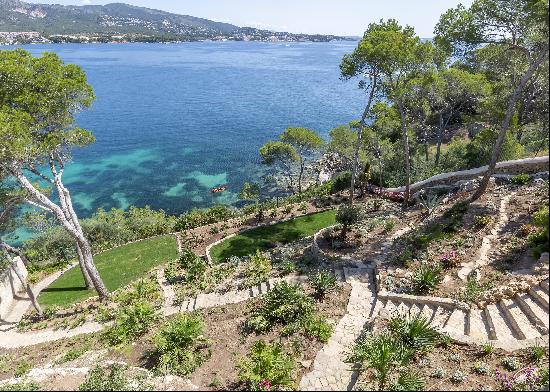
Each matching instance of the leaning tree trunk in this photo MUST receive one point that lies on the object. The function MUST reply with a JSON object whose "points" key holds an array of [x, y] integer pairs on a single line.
{"points": [[25, 284], [506, 124], [406, 151], [360, 138], [71, 225], [85, 274]]}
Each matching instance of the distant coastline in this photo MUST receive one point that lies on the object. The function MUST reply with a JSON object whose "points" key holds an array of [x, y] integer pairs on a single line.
{"points": [[33, 37]]}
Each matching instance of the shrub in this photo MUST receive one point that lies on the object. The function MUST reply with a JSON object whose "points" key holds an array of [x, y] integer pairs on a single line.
{"points": [[450, 259], [537, 353], [481, 368], [323, 282], [73, 354], [131, 322], [258, 269], [426, 279], [267, 367], [22, 368], [197, 218], [520, 179], [317, 328], [482, 220], [20, 386], [382, 353], [414, 332], [347, 216], [458, 377], [285, 304], [341, 182], [488, 348], [408, 381], [180, 345], [539, 241], [111, 378]]}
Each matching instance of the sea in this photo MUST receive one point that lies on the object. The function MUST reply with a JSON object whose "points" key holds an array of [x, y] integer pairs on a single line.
{"points": [[172, 121]]}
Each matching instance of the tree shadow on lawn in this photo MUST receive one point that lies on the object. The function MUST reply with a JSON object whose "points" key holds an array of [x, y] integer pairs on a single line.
{"points": [[62, 289]]}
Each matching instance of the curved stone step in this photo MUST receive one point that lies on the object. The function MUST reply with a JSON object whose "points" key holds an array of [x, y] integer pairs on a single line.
{"points": [[456, 323], [499, 327], [519, 321], [533, 311], [540, 296], [476, 326]]}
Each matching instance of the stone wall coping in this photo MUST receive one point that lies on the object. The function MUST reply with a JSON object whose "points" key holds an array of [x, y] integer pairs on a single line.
{"points": [[527, 165]]}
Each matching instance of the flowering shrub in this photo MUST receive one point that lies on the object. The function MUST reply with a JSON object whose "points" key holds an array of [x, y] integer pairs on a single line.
{"points": [[450, 259], [527, 379]]}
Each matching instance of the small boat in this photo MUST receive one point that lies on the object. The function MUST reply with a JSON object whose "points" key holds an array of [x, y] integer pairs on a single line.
{"points": [[219, 189]]}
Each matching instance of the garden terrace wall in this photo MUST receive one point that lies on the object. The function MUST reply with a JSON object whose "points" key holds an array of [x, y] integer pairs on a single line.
{"points": [[10, 287], [528, 165]]}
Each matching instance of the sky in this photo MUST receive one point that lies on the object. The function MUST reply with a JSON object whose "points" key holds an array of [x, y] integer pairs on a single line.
{"points": [[339, 17]]}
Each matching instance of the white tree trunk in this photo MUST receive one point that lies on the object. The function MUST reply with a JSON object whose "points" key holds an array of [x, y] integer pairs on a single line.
{"points": [[73, 227]]}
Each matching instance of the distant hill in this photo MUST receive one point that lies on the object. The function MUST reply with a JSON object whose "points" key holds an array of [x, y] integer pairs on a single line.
{"points": [[127, 20]]}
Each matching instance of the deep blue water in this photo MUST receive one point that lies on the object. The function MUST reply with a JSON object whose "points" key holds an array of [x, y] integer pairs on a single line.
{"points": [[172, 121]]}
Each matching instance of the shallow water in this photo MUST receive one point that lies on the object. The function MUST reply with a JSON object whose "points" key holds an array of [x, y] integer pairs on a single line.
{"points": [[172, 121]]}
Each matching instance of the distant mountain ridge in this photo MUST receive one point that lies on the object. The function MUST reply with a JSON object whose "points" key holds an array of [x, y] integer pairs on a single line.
{"points": [[124, 19]]}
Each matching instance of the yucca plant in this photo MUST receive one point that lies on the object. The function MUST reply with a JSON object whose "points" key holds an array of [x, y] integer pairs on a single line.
{"points": [[381, 353], [407, 381], [415, 332], [426, 279], [323, 282]]}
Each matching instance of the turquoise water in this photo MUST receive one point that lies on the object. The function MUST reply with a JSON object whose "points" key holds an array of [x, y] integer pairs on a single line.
{"points": [[174, 120]]}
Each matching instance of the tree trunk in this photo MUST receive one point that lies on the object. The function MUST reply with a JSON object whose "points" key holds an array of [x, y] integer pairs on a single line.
{"points": [[85, 274], [300, 176], [506, 124], [439, 139], [72, 226], [406, 151], [25, 285], [374, 82]]}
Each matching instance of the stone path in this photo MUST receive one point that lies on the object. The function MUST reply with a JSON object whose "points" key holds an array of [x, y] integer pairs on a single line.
{"points": [[21, 306], [486, 245], [203, 301], [330, 371]]}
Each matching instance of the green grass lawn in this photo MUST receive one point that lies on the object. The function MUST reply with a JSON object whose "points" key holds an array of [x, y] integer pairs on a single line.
{"points": [[262, 237], [117, 267]]}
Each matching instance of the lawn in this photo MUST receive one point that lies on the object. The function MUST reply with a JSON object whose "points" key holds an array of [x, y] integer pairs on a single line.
{"points": [[118, 267], [263, 237]]}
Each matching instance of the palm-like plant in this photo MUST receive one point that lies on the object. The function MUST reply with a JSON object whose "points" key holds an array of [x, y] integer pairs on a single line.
{"points": [[415, 332]]}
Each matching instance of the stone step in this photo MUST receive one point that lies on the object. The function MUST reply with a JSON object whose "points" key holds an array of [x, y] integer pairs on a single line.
{"points": [[544, 286], [427, 312], [415, 310], [456, 322], [390, 307], [403, 309], [440, 317], [339, 273], [521, 324], [254, 291], [263, 288], [378, 305], [499, 327], [476, 326], [540, 296], [533, 311]]}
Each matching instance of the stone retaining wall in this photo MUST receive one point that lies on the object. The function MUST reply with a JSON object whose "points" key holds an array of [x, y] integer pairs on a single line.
{"points": [[528, 165], [10, 287]]}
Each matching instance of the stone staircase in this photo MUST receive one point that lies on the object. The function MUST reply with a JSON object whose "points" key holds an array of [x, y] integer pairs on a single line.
{"points": [[510, 324], [329, 371], [203, 301]]}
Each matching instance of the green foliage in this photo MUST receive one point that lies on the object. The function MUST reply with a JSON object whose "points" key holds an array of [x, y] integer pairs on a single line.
{"points": [[21, 386], [414, 332], [537, 353], [341, 182], [383, 353], [111, 378], [347, 215], [316, 327], [131, 322], [258, 269], [267, 367], [520, 179], [323, 283], [104, 230], [201, 217], [407, 381], [488, 348], [73, 353], [426, 279], [540, 241], [22, 368], [180, 346], [285, 304]]}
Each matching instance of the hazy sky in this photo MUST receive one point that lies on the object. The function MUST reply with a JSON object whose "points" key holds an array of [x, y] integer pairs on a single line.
{"points": [[342, 17]]}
